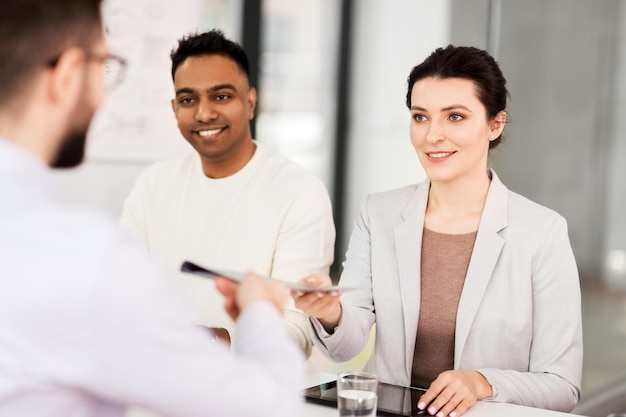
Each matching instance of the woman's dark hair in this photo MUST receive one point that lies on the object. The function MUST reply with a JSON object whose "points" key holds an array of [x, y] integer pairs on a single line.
{"points": [[469, 63]]}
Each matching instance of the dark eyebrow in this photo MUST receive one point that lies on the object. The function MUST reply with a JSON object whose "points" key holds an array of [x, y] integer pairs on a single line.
{"points": [[218, 87], [456, 106], [184, 90], [447, 108]]}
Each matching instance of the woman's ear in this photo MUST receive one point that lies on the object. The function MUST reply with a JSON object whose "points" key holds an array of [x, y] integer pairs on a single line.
{"points": [[497, 124]]}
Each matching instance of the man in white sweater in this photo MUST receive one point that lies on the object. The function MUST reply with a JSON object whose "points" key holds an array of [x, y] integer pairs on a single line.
{"points": [[90, 323], [233, 204]]}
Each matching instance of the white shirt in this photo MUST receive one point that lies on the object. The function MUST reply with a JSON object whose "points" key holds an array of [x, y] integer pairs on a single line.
{"points": [[90, 324], [272, 217]]}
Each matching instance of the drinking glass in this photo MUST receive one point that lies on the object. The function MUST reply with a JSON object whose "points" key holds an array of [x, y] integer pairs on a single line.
{"points": [[357, 394]]}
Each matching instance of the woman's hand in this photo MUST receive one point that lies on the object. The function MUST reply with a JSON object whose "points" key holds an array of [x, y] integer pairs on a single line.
{"points": [[323, 305], [454, 392]]}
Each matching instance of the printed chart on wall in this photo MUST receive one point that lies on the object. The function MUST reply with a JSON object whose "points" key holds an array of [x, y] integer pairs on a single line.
{"points": [[136, 122]]}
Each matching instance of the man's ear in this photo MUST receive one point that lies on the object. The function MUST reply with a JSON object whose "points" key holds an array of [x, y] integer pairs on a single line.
{"points": [[67, 77], [251, 102]]}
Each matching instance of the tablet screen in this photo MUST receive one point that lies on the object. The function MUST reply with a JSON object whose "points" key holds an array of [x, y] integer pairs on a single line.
{"points": [[393, 400]]}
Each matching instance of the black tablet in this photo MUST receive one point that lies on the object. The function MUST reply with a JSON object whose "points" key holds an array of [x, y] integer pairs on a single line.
{"points": [[393, 400]]}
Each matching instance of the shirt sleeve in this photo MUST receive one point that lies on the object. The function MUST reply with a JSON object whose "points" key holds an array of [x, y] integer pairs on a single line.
{"points": [[357, 317], [305, 245], [146, 351], [306, 240]]}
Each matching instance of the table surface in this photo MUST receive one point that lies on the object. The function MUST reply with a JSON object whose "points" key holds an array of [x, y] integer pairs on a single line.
{"points": [[480, 409]]}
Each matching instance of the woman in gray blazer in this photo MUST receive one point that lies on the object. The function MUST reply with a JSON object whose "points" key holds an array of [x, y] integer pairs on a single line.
{"points": [[473, 288]]}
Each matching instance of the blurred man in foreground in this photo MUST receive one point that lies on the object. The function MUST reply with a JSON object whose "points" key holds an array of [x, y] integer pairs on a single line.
{"points": [[89, 323]]}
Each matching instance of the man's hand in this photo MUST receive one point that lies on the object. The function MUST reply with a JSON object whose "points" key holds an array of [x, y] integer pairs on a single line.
{"points": [[237, 297], [453, 392]]}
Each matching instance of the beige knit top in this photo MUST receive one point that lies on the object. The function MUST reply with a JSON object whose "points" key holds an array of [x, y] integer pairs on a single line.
{"points": [[445, 258]]}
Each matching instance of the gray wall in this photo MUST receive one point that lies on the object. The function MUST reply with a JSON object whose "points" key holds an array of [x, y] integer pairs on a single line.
{"points": [[615, 221], [558, 58]]}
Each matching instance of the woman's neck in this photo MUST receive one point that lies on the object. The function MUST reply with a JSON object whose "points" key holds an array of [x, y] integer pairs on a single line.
{"points": [[456, 207]]}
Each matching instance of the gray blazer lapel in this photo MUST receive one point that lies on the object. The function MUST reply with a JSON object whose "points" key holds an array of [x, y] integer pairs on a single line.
{"points": [[408, 241], [485, 255]]}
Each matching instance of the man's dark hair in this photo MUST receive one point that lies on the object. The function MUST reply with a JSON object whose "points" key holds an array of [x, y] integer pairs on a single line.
{"points": [[469, 63], [33, 33], [209, 43]]}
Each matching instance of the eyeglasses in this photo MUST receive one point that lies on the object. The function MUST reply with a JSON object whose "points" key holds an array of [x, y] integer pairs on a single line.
{"points": [[113, 67]]}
